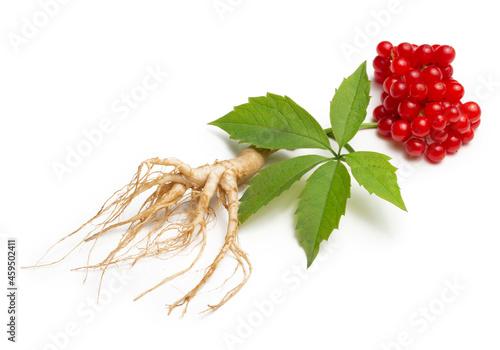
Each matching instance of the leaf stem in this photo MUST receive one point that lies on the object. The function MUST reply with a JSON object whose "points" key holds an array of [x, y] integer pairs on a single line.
{"points": [[368, 125], [348, 147]]}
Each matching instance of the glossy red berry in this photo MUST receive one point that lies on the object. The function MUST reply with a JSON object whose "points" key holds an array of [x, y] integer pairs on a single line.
{"points": [[383, 96], [415, 147], [399, 90], [405, 50], [391, 104], [435, 152], [384, 126], [445, 104], [412, 76], [408, 109], [439, 135], [379, 112], [431, 74], [445, 54], [381, 64], [400, 131], [476, 124], [418, 91], [452, 114], [388, 83], [462, 125], [384, 49], [447, 71], [438, 122], [453, 143], [424, 55], [400, 65], [432, 108], [454, 92], [436, 91], [467, 136], [420, 127], [380, 77], [472, 111]]}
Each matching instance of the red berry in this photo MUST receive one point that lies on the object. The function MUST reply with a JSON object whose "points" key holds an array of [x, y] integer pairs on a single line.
{"points": [[383, 96], [380, 77], [388, 83], [418, 91], [384, 126], [408, 109], [424, 55], [381, 64], [439, 135], [454, 92], [445, 104], [432, 108], [379, 112], [436, 91], [476, 124], [384, 49], [431, 74], [445, 54], [420, 127], [405, 50], [412, 76], [400, 66], [391, 104], [447, 71], [435, 152], [472, 111], [399, 90], [400, 131], [462, 125], [438, 122], [415, 147], [452, 114], [452, 143], [467, 136]]}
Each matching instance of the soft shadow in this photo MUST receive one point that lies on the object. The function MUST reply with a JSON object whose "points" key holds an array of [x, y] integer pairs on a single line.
{"points": [[358, 206]]}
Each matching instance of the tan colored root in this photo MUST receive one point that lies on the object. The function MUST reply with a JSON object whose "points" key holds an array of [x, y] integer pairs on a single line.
{"points": [[173, 218]]}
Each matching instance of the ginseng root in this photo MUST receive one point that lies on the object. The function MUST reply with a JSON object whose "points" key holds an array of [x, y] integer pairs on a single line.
{"points": [[180, 203]]}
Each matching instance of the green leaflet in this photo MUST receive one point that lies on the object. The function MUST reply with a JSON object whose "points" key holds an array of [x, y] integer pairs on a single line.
{"points": [[348, 106], [321, 205], [274, 122], [374, 172], [273, 180]]}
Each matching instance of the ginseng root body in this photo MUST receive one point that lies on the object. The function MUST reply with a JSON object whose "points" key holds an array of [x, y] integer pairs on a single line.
{"points": [[180, 201]]}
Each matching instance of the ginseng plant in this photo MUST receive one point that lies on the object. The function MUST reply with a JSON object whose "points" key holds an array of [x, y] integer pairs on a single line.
{"points": [[177, 196]]}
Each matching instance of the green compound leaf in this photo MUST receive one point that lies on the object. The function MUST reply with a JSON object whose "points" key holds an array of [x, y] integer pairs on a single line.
{"points": [[273, 180], [321, 205], [374, 172], [348, 106], [274, 122]]}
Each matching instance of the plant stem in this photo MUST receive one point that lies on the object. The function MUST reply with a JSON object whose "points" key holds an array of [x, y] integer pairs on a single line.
{"points": [[349, 148], [368, 125], [329, 133]]}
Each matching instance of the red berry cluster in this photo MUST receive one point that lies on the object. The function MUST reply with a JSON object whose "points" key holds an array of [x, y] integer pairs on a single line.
{"points": [[421, 101]]}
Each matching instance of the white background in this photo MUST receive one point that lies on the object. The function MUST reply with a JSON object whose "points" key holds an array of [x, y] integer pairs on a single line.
{"points": [[376, 275]]}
